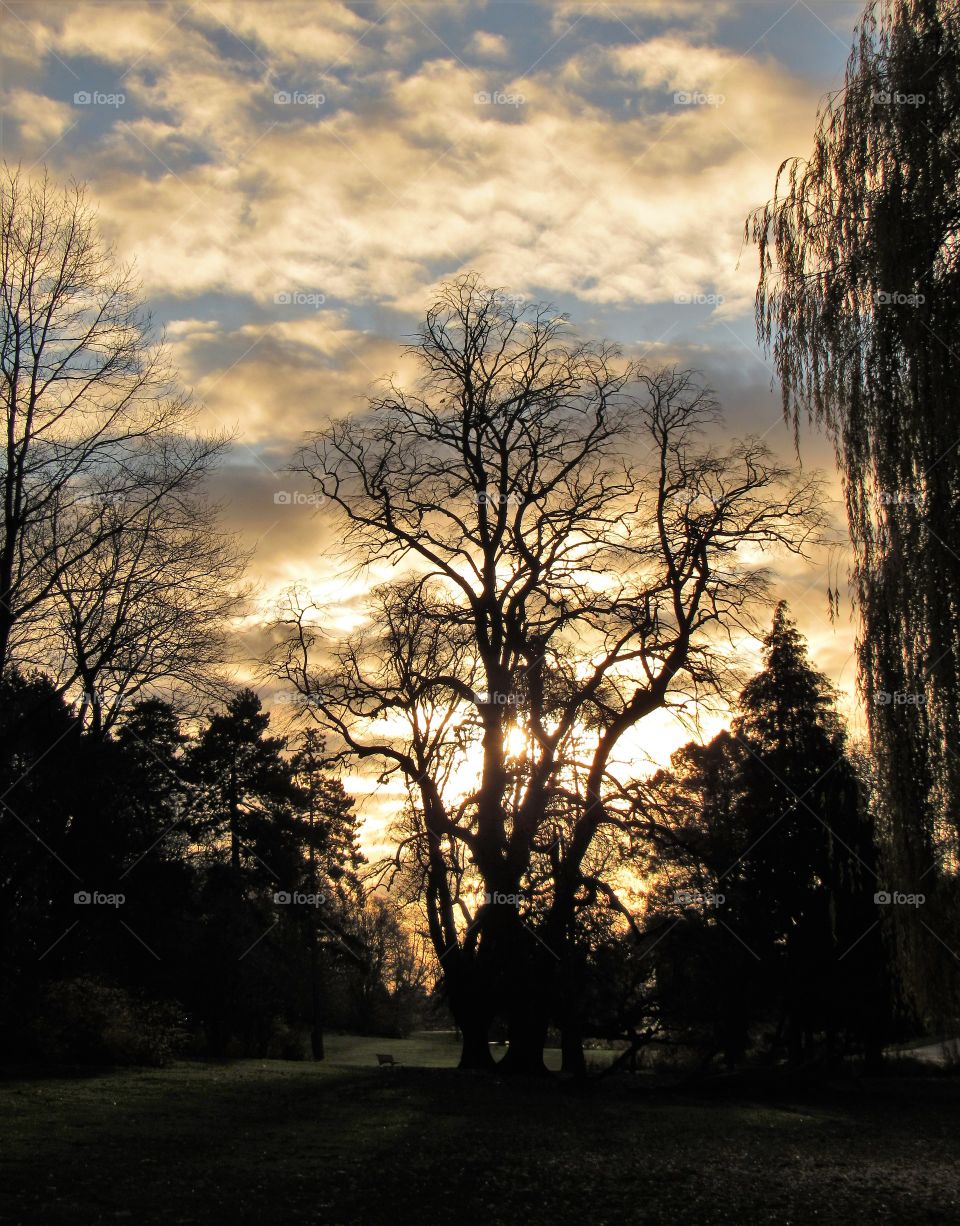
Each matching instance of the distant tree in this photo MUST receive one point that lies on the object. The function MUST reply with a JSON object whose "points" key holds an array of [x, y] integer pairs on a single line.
{"points": [[390, 991], [247, 790], [330, 831], [859, 297], [570, 548]]}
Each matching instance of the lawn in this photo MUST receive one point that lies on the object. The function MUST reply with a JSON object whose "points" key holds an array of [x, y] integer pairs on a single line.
{"points": [[343, 1142]]}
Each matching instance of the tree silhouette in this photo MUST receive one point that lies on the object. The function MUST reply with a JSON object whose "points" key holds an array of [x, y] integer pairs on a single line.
{"points": [[248, 789], [774, 815], [858, 297], [113, 573], [552, 583]]}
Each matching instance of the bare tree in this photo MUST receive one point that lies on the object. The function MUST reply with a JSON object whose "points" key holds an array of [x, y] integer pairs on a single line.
{"points": [[573, 557], [148, 607], [104, 531]]}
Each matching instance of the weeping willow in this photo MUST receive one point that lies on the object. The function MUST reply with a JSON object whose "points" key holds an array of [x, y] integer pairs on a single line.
{"points": [[859, 303]]}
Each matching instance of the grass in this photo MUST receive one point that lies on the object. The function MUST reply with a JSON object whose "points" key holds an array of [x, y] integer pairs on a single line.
{"points": [[343, 1142]]}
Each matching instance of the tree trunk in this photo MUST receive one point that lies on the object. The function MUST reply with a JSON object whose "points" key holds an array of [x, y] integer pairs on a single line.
{"points": [[571, 1046], [471, 1011], [316, 1022], [475, 1047], [528, 1036]]}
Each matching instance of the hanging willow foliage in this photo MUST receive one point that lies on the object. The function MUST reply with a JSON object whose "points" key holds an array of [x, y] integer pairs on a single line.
{"points": [[859, 301]]}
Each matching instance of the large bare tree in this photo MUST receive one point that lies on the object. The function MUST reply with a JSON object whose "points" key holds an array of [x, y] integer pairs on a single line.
{"points": [[105, 534], [572, 556]]}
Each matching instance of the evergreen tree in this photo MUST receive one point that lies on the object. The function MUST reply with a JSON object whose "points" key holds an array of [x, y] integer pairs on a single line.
{"points": [[804, 884], [248, 791]]}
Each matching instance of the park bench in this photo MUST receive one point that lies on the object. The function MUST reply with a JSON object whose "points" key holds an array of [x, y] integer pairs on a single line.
{"points": [[384, 1060]]}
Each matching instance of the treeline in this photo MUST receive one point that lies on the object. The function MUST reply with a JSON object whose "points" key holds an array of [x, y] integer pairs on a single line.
{"points": [[166, 889], [761, 937], [568, 552], [770, 855], [170, 889]]}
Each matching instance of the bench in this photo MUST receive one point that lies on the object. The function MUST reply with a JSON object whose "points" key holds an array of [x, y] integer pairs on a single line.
{"points": [[384, 1060]]}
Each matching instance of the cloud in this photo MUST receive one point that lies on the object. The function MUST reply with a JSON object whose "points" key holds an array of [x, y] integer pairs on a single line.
{"points": [[704, 14], [40, 121], [583, 180], [486, 46]]}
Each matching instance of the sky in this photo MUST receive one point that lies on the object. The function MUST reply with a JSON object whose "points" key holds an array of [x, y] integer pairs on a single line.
{"points": [[293, 181]]}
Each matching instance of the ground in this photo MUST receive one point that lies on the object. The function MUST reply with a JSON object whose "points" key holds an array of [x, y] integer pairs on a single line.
{"points": [[344, 1142]]}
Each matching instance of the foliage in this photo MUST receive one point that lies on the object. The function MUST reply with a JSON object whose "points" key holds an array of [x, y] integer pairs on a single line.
{"points": [[858, 297]]}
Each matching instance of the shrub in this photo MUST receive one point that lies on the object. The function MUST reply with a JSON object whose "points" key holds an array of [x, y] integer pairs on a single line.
{"points": [[89, 1021]]}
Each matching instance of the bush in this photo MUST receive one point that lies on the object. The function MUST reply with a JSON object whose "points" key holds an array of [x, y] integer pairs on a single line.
{"points": [[287, 1042], [88, 1021]]}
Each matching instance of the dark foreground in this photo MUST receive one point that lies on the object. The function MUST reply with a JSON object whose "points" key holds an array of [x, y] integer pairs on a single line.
{"points": [[277, 1142]]}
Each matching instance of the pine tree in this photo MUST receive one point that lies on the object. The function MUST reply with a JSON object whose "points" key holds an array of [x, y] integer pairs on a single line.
{"points": [[248, 789], [804, 884]]}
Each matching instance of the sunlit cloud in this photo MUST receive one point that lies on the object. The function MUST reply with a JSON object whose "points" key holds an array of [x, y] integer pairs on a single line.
{"points": [[293, 181]]}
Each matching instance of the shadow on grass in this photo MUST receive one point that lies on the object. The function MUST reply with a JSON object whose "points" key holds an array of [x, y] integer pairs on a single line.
{"points": [[267, 1140]]}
